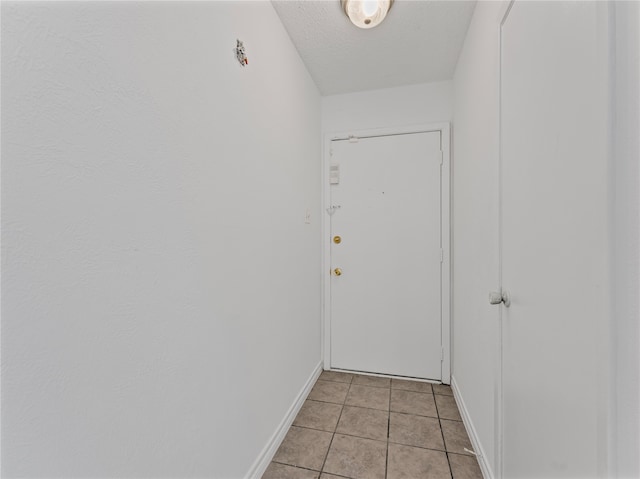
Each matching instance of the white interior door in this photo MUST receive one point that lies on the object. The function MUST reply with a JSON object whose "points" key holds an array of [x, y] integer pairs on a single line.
{"points": [[554, 239], [386, 303]]}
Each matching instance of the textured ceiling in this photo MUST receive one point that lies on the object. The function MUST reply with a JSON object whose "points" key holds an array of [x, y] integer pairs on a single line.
{"points": [[418, 42]]}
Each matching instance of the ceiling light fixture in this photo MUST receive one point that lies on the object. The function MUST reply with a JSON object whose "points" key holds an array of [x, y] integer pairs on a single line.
{"points": [[366, 13]]}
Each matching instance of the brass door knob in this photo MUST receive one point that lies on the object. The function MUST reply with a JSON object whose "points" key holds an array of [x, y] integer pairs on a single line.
{"points": [[337, 239], [337, 271]]}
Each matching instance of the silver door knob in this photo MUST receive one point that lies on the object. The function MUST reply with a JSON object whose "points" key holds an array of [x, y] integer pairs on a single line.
{"points": [[497, 298]]}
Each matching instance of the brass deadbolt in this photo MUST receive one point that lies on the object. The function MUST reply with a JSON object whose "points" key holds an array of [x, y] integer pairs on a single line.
{"points": [[337, 271], [337, 239]]}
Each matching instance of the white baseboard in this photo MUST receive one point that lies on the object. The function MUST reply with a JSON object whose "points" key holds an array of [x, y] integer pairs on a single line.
{"points": [[266, 455], [485, 467]]}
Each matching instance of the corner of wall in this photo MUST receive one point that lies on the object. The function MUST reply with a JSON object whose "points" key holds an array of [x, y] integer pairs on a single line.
{"points": [[478, 450], [266, 455]]}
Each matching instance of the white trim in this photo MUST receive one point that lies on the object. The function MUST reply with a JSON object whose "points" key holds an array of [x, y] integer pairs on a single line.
{"points": [[445, 238], [445, 144], [324, 267], [485, 467], [499, 419], [266, 455], [325, 231]]}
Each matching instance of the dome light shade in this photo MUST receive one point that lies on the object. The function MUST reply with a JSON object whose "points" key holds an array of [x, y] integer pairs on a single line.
{"points": [[366, 13]]}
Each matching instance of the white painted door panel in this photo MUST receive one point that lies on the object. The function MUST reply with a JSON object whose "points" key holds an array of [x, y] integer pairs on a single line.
{"points": [[553, 182], [385, 307]]}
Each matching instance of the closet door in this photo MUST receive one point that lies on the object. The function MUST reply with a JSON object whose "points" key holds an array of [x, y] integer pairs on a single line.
{"points": [[554, 174]]}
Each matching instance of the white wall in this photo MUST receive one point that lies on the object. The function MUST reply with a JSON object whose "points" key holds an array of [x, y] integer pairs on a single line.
{"points": [[390, 107], [475, 225], [625, 242], [160, 288]]}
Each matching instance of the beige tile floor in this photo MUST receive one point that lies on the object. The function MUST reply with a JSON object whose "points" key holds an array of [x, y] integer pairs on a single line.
{"points": [[364, 427]]}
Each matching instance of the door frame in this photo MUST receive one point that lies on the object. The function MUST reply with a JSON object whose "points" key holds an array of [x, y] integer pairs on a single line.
{"points": [[444, 129], [499, 419]]}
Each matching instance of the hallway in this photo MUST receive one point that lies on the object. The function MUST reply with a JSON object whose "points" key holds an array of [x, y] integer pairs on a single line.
{"points": [[356, 426], [205, 204]]}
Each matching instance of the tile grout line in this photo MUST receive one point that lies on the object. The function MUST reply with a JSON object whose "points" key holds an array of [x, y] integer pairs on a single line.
{"points": [[336, 428], [374, 409], [384, 410], [388, 439], [386, 462], [387, 387], [368, 408], [352, 435], [390, 388], [442, 434], [420, 447], [334, 381], [372, 385], [293, 465]]}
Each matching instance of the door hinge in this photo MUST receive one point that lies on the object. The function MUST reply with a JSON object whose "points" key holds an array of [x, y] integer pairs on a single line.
{"points": [[441, 158], [441, 255], [442, 354]]}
